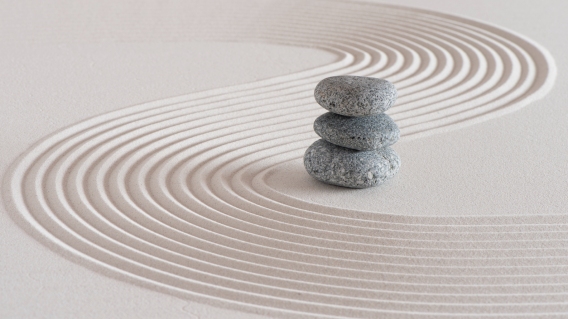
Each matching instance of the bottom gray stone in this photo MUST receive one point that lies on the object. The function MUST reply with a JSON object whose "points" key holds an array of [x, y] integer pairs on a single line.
{"points": [[346, 167]]}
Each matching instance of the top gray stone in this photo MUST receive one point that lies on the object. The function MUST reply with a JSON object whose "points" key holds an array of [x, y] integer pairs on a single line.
{"points": [[355, 95]]}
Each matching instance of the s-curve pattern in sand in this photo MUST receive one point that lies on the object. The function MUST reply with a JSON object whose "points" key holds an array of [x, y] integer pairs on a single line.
{"points": [[170, 194]]}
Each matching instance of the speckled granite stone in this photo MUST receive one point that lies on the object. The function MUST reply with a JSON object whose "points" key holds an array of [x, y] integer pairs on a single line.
{"points": [[360, 133], [355, 95], [345, 167]]}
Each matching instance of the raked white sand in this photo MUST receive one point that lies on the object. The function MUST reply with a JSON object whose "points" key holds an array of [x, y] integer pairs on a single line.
{"points": [[202, 196]]}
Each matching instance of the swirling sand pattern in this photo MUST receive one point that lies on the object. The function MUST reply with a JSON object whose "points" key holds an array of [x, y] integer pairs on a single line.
{"points": [[171, 194]]}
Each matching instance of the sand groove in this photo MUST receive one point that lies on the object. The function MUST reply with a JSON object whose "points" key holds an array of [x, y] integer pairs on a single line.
{"points": [[173, 193]]}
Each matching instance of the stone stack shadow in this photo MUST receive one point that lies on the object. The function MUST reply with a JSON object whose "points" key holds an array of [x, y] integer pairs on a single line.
{"points": [[356, 134]]}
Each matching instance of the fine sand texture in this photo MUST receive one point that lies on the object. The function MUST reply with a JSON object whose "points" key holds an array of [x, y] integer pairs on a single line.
{"points": [[201, 201]]}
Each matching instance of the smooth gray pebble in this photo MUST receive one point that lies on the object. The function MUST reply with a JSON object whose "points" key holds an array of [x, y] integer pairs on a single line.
{"points": [[355, 95], [360, 133], [346, 167]]}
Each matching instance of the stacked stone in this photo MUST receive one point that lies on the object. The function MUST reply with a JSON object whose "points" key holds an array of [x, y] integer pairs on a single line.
{"points": [[354, 150]]}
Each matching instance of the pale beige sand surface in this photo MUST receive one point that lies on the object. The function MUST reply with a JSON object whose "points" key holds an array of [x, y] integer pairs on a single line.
{"points": [[198, 206]]}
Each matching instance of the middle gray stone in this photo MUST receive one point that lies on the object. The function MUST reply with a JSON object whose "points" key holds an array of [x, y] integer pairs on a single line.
{"points": [[359, 133]]}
